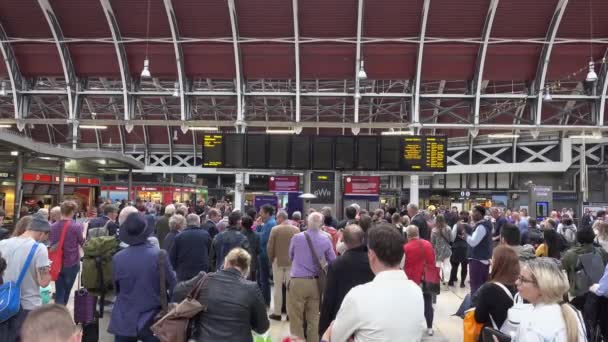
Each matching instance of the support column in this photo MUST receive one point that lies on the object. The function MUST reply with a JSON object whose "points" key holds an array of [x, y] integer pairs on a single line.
{"points": [[18, 187], [130, 186], [239, 190], [306, 206], [338, 200], [61, 180], [414, 189]]}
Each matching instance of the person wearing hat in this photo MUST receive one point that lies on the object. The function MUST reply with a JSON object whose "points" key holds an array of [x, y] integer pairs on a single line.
{"points": [[15, 251], [136, 275]]}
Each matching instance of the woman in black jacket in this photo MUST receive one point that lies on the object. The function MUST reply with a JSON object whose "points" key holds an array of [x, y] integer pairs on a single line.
{"points": [[459, 250], [235, 306]]}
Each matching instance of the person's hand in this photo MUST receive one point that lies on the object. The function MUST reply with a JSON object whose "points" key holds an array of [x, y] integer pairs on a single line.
{"points": [[594, 288], [327, 334]]}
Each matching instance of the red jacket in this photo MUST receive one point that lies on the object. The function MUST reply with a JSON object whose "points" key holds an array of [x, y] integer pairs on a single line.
{"points": [[415, 250]]}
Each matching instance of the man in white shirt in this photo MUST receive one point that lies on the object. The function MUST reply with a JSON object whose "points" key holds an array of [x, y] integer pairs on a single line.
{"points": [[389, 308]]}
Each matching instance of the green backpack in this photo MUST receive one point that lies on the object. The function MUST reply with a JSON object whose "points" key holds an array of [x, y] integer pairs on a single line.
{"points": [[97, 263]]}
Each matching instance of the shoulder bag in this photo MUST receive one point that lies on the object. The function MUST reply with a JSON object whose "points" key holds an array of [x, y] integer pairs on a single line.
{"points": [[173, 326], [10, 292], [321, 269], [56, 253], [430, 279], [473, 329]]}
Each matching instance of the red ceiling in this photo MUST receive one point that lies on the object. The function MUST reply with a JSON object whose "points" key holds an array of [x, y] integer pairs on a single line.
{"points": [[456, 19], [392, 18]]}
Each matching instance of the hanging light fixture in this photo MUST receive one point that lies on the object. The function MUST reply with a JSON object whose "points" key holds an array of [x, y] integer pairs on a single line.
{"points": [[3, 89], [362, 74], [176, 90], [591, 75], [547, 97], [175, 135], [146, 72]]}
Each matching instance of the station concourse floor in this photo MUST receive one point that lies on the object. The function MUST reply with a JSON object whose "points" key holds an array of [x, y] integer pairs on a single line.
{"points": [[446, 327]]}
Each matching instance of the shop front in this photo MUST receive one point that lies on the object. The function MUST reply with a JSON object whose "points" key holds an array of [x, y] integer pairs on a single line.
{"points": [[45, 188]]}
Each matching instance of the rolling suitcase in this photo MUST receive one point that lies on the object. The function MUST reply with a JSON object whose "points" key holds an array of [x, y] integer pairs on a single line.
{"points": [[85, 314]]}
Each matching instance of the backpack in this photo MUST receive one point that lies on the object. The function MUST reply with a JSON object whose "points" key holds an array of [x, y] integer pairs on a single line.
{"points": [[589, 270], [98, 231], [97, 263], [535, 236], [10, 292]]}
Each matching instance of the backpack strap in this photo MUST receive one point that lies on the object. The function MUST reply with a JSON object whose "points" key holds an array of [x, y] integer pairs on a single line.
{"points": [[314, 254], [505, 289], [26, 266]]}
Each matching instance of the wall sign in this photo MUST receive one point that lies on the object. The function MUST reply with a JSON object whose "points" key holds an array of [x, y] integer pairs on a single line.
{"points": [[283, 183], [361, 185], [323, 186]]}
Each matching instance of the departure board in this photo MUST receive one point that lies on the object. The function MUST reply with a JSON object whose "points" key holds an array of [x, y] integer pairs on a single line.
{"points": [[234, 150], [424, 153], [345, 153], [278, 151], [300, 152], [213, 155]]}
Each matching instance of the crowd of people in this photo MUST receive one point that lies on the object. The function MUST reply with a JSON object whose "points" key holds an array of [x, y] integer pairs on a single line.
{"points": [[333, 279]]}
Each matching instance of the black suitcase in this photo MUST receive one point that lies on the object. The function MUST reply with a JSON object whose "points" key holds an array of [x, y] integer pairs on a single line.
{"points": [[90, 331]]}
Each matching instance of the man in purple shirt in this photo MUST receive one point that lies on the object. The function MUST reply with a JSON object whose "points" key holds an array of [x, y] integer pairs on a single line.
{"points": [[71, 255], [303, 295]]}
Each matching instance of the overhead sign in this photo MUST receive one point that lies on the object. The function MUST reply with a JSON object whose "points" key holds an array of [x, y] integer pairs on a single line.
{"points": [[323, 186], [283, 183], [361, 185]]}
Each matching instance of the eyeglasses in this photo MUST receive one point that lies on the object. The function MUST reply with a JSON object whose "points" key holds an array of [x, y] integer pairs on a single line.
{"points": [[523, 279]]}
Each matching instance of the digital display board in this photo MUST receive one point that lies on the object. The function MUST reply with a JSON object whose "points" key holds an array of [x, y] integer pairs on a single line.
{"points": [[386, 153], [345, 153], [278, 151], [300, 152], [256, 151], [234, 150], [390, 153], [213, 155], [367, 153], [322, 153]]}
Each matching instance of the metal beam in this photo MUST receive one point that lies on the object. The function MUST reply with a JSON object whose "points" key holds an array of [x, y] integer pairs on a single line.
{"points": [[69, 72], [179, 59], [603, 84], [121, 56], [416, 99], [358, 59], [481, 58], [296, 42], [239, 84], [14, 74], [545, 57]]}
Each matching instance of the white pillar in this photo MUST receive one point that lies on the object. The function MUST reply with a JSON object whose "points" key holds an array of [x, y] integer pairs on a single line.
{"points": [[239, 191], [414, 189]]}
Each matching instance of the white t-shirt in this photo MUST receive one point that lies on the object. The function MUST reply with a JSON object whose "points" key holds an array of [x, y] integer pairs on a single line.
{"points": [[389, 308], [546, 323], [15, 251]]}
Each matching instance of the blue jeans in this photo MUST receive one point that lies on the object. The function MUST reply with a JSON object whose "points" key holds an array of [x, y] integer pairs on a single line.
{"points": [[65, 282], [144, 336], [264, 277]]}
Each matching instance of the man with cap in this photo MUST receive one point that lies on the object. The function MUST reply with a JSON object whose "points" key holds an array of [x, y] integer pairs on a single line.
{"points": [[136, 275], [16, 250]]}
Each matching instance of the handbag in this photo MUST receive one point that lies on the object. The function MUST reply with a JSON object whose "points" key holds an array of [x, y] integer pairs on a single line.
{"points": [[471, 328], [173, 326], [10, 292], [430, 278], [56, 253], [321, 270]]}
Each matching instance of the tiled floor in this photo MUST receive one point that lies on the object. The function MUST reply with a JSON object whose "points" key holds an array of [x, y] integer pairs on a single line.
{"points": [[446, 326]]}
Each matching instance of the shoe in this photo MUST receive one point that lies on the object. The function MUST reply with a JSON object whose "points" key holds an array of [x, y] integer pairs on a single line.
{"points": [[450, 283], [287, 318], [429, 332], [462, 285], [275, 317]]}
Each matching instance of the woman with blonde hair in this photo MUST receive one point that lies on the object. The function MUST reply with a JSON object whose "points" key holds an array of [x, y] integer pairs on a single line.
{"points": [[602, 235], [543, 284], [235, 305]]}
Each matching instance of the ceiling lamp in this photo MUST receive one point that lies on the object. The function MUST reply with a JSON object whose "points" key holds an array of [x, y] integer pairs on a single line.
{"points": [[280, 131], [503, 136], [362, 74], [176, 90], [585, 136], [397, 133], [307, 196], [146, 72], [547, 97], [5, 126], [93, 127], [3, 89], [204, 128], [591, 75], [175, 135]]}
